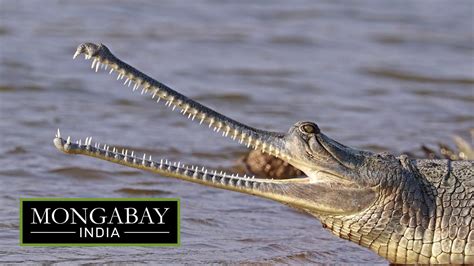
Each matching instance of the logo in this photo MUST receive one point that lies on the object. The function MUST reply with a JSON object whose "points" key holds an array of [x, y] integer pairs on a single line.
{"points": [[99, 222]]}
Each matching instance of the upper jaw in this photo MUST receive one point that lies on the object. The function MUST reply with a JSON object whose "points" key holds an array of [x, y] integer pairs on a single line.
{"points": [[269, 142]]}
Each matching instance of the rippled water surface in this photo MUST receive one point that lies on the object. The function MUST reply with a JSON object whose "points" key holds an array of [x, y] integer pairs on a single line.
{"points": [[378, 75]]}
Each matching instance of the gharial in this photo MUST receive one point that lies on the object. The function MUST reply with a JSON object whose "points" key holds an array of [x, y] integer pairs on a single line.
{"points": [[406, 210]]}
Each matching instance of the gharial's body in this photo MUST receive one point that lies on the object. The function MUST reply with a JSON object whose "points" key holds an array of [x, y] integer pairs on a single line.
{"points": [[406, 210], [425, 214]]}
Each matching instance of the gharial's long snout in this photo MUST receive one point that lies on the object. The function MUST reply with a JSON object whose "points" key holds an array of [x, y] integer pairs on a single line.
{"points": [[269, 142], [294, 147]]}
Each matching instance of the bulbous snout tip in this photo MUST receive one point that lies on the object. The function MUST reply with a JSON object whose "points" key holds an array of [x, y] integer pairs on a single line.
{"points": [[89, 49]]}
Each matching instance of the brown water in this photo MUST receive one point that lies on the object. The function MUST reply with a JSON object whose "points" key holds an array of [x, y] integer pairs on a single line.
{"points": [[378, 75]]}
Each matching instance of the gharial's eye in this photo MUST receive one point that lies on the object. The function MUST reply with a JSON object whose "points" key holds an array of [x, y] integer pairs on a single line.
{"points": [[309, 128]]}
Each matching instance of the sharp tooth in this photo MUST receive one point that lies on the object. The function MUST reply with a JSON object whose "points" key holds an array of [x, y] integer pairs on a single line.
{"points": [[80, 142], [154, 94], [97, 66], [257, 143], [118, 77], [158, 100], [131, 154], [75, 54], [111, 70], [68, 141], [58, 135], [129, 82], [126, 81], [105, 66], [174, 107], [93, 63]]}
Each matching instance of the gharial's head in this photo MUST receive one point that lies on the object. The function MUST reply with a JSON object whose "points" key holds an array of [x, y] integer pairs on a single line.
{"points": [[340, 180], [317, 155]]}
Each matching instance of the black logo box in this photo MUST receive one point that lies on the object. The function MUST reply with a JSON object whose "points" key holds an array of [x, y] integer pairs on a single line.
{"points": [[105, 224]]}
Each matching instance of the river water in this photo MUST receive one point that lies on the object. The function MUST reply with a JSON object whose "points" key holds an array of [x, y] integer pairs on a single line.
{"points": [[377, 75]]}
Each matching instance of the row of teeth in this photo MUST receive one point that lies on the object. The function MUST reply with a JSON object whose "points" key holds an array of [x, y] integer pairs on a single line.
{"points": [[191, 113], [164, 164]]}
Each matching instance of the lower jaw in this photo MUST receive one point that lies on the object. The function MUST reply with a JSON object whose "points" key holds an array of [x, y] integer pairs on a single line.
{"points": [[163, 166]]}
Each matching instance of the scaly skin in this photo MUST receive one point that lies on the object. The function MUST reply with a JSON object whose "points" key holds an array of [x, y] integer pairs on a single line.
{"points": [[406, 210]]}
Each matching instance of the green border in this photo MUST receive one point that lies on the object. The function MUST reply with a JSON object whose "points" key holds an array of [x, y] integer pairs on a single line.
{"points": [[105, 244]]}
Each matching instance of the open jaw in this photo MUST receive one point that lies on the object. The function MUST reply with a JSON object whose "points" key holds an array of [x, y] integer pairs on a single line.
{"points": [[302, 193]]}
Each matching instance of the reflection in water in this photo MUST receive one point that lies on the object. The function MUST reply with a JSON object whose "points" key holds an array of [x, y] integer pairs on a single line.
{"points": [[378, 75]]}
